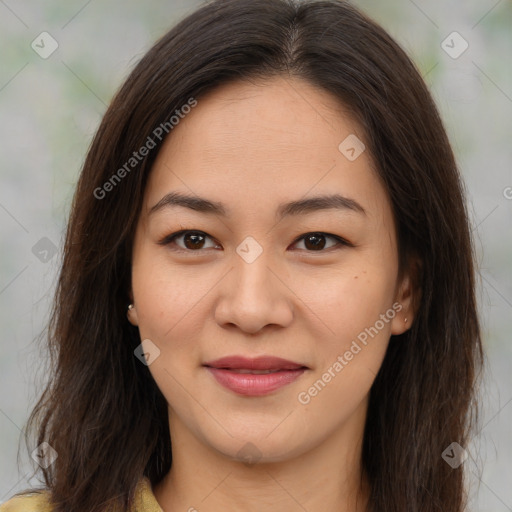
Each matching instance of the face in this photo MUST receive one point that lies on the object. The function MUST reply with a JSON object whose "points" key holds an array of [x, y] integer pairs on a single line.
{"points": [[285, 248]]}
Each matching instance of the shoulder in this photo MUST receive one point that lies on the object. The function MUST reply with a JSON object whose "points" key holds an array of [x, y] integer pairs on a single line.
{"points": [[145, 500], [33, 502]]}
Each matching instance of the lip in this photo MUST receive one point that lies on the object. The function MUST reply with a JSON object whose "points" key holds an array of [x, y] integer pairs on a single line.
{"points": [[231, 372], [257, 363]]}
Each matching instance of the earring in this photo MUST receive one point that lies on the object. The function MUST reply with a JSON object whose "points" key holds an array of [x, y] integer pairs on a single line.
{"points": [[405, 320], [130, 307]]}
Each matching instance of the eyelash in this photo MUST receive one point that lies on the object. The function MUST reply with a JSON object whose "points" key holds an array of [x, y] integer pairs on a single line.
{"points": [[170, 239]]}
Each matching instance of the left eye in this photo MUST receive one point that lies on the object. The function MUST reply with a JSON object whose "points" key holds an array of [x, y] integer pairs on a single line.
{"points": [[194, 240], [317, 241]]}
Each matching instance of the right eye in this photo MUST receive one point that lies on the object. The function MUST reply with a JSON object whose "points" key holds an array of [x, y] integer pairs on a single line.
{"points": [[192, 240]]}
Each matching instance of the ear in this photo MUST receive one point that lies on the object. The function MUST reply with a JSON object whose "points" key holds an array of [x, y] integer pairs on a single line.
{"points": [[407, 297]]}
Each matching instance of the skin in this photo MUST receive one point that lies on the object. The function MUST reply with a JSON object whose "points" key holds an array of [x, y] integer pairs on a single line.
{"points": [[252, 146]]}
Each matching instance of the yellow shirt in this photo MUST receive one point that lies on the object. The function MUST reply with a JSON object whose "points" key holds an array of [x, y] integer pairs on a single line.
{"points": [[145, 501]]}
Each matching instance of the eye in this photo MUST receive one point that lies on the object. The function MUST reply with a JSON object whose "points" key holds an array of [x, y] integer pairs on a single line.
{"points": [[316, 241], [193, 241]]}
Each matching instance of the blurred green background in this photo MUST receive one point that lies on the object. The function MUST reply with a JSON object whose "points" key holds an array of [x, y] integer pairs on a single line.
{"points": [[50, 108]]}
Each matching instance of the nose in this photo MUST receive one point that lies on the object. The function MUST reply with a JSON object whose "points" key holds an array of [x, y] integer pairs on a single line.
{"points": [[254, 295]]}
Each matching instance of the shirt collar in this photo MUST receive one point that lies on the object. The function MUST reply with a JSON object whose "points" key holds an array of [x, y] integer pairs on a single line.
{"points": [[145, 500]]}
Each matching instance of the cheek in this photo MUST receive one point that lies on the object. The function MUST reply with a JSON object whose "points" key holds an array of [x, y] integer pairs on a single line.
{"points": [[357, 310], [173, 304], [161, 295], [168, 312], [350, 299]]}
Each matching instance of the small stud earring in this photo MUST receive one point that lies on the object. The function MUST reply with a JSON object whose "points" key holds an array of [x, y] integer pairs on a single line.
{"points": [[130, 307], [405, 320]]}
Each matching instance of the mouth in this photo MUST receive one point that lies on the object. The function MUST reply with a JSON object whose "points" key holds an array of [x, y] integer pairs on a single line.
{"points": [[254, 377], [258, 364], [254, 372]]}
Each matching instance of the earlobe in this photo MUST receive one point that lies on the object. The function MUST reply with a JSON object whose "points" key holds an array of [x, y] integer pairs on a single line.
{"points": [[132, 315], [403, 319], [408, 297]]}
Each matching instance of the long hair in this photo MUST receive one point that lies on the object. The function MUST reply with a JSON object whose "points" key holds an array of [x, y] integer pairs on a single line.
{"points": [[102, 411]]}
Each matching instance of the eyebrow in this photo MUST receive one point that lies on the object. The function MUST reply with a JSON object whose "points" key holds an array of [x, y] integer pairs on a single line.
{"points": [[292, 208]]}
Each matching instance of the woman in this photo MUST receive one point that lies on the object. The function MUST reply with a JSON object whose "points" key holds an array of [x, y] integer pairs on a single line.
{"points": [[267, 294]]}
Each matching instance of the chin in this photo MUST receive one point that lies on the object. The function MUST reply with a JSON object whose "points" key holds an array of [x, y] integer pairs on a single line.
{"points": [[260, 447]]}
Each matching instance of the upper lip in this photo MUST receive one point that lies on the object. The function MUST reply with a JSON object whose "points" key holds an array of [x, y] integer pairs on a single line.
{"points": [[258, 363]]}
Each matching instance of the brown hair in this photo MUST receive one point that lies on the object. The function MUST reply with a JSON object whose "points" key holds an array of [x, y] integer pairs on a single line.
{"points": [[102, 411]]}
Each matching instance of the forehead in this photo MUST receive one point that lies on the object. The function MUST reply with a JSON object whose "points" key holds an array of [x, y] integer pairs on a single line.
{"points": [[264, 142], [292, 114]]}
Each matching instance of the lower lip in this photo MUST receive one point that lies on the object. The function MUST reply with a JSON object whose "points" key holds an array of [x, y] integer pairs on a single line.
{"points": [[251, 384]]}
